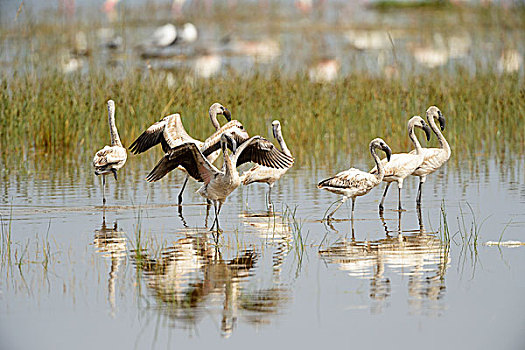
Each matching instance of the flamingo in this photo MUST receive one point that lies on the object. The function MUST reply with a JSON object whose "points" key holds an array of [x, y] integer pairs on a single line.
{"points": [[110, 158], [219, 184], [433, 158], [260, 173], [170, 133], [403, 164], [353, 182]]}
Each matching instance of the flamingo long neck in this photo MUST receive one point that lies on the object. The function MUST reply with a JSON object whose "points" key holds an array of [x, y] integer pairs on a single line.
{"points": [[179, 128], [229, 168], [380, 170], [413, 138], [115, 139], [284, 148], [442, 141], [214, 121]]}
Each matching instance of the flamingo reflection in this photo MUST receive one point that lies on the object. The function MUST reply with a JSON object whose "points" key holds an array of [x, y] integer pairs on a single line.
{"points": [[191, 278], [273, 228], [111, 244], [416, 254]]}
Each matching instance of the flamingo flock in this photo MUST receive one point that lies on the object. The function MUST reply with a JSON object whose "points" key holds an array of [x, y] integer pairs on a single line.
{"points": [[196, 158]]}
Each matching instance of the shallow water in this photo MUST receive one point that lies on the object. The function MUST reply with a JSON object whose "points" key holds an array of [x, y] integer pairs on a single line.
{"points": [[334, 40], [141, 275]]}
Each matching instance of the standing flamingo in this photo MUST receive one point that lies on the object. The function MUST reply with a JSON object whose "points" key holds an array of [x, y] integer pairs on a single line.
{"points": [[110, 158], [353, 182], [261, 173], [434, 158], [400, 165]]}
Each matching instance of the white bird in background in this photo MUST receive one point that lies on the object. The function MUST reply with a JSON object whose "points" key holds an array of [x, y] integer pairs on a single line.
{"points": [[261, 173], [400, 165], [110, 158], [219, 184], [434, 158], [168, 35], [164, 36], [170, 133], [188, 33], [353, 182]]}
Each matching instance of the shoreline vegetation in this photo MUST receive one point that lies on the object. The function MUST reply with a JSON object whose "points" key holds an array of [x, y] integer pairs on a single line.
{"points": [[65, 115]]}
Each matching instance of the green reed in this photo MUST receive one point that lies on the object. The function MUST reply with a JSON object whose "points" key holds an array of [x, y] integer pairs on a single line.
{"points": [[296, 226], [6, 239], [445, 240], [66, 116]]}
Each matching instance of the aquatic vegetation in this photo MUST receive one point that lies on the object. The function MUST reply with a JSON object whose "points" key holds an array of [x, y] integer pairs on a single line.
{"points": [[299, 240], [6, 242], [56, 112]]}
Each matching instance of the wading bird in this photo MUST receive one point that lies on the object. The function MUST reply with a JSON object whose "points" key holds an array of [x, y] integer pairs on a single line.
{"points": [[170, 133], [353, 182], [219, 184], [260, 173], [400, 165], [110, 158], [434, 158]]}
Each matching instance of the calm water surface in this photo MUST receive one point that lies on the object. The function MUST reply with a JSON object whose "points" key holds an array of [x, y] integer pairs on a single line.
{"points": [[142, 275]]}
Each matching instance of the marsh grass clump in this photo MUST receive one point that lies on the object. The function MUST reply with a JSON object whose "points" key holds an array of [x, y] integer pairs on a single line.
{"points": [[58, 114], [469, 232], [299, 239], [6, 240], [467, 236]]}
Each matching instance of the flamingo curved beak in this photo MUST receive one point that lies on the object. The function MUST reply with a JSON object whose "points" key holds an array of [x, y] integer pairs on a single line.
{"points": [[388, 152], [441, 121], [427, 130], [227, 115]]}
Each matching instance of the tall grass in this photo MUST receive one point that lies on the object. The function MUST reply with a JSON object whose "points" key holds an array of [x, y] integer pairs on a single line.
{"points": [[66, 116]]}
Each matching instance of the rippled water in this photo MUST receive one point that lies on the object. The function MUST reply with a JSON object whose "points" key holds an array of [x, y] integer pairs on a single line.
{"points": [[142, 275]]}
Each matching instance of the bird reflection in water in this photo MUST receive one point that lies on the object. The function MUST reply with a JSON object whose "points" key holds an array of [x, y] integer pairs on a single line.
{"points": [[274, 229], [259, 304], [183, 220], [111, 244], [417, 254], [190, 279]]}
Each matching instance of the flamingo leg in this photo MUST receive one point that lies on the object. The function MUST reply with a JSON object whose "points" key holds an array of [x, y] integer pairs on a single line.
{"points": [[182, 189], [217, 217], [103, 189], [217, 211], [381, 207], [418, 198], [329, 216], [353, 205], [208, 205], [399, 223], [184, 223], [399, 207], [270, 204], [114, 174]]}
